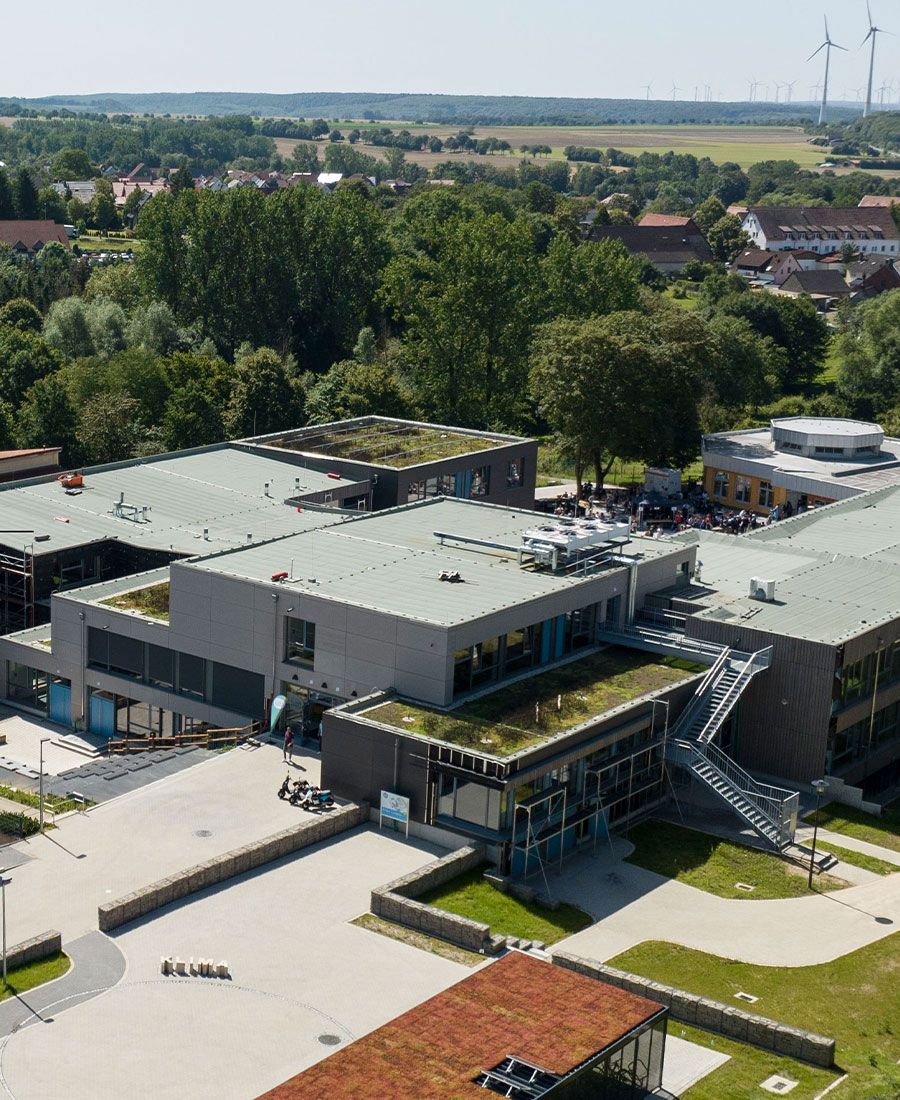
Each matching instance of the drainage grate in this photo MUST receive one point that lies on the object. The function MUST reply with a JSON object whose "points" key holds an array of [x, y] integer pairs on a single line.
{"points": [[329, 1040], [744, 886], [203, 833], [748, 997], [778, 1084]]}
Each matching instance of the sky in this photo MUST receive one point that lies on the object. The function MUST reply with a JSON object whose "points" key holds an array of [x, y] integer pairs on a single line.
{"points": [[600, 48]]}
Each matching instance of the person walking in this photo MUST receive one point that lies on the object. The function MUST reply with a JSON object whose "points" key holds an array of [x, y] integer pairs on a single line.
{"points": [[289, 745]]}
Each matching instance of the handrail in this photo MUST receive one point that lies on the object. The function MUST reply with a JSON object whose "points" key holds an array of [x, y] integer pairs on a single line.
{"points": [[210, 738], [671, 639], [737, 686]]}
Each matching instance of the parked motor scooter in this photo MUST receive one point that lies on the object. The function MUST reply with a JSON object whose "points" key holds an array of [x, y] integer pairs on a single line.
{"points": [[300, 793], [285, 788], [319, 800]]}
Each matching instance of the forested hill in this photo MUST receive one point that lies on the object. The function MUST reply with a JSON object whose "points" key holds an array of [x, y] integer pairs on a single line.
{"points": [[452, 109]]}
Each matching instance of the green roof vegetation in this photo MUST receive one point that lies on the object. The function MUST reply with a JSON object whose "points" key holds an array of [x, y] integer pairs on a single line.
{"points": [[152, 602], [855, 999], [396, 445], [26, 977], [524, 713], [472, 896], [715, 865]]}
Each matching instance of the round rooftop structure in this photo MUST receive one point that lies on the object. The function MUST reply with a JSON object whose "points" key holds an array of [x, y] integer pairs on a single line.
{"points": [[825, 437]]}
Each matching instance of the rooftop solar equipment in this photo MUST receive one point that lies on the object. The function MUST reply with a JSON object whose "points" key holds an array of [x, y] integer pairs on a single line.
{"points": [[517, 1079]]}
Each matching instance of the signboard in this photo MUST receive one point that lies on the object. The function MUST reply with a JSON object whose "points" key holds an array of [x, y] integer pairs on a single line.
{"points": [[278, 704], [394, 807]]}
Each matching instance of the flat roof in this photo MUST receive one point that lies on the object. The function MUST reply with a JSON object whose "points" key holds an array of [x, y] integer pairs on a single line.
{"points": [[382, 441], [843, 477], [540, 707], [219, 489], [826, 425], [836, 570], [391, 561], [518, 1005]]}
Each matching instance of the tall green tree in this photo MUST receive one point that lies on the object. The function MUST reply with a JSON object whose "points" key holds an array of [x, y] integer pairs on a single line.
{"points": [[46, 418], [868, 355], [67, 330], [265, 396], [7, 199], [26, 196], [110, 428], [24, 358], [72, 164], [581, 280]]}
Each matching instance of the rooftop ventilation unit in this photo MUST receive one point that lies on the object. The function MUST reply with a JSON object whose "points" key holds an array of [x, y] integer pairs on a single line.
{"points": [[574, 534], [762, 589]]}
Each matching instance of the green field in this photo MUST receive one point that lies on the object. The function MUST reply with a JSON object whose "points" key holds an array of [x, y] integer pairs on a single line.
{"points": [[854, 999], [883, 830]]}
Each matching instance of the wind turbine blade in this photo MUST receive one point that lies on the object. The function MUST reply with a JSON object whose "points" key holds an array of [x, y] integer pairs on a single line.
{"points": [[819, 50], [869, 12], [835, 46], [866, 39]]}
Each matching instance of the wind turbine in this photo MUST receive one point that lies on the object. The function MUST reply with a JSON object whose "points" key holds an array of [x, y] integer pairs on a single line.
{"points": [[647, 88], [754, 84], [790, 89], [708, 92], [675, 90], [827, 46], [873, 34]]}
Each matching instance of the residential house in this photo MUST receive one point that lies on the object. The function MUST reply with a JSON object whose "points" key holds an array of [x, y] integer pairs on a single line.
{"points": [[822, 229], [123, 188], [669, 221], [669, 248], [83, 190], [822, 286], [886, 201], [29, 237], [872, 277]]}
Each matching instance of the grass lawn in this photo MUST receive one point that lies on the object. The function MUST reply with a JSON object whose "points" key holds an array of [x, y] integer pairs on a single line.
{"points": [[524, 713], [107, 244], [470, 896], [414, 938], [152, 601], [689, 302], [855, 999], [715, 865], [828, 374], [883, 830], [27, 977], [554, 468], [747, 1067], [860, 859]]}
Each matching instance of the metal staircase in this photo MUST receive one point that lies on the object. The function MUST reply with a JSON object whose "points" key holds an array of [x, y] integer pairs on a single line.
{"points": [[770, 811], [718, 693]]}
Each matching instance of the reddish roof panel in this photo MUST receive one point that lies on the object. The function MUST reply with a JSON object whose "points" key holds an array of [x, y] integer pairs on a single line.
{"points": [[518, 1005]]}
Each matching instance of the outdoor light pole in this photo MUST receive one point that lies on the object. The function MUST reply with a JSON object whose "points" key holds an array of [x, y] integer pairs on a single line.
{"points": [[820, 787], [41, 789], [4, 882]]}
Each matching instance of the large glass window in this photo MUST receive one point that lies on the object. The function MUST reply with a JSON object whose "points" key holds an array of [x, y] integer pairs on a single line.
{"points": [[515, 473], [481, 481], [486, 662], [29, 687], [518, 650], [191, 675], [742, 490], [161, 667], [720, 484], [238, 690], [766, 494], [126, 656], [300, 642]]}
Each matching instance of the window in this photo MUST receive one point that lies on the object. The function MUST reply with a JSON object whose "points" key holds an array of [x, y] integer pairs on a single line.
{"points": [[829, 450], [191, 675], [742, 490], [161, 667], [485, 662], [115, 653], [238, 690], [515, 473], [766, 494], [300, 642], [518, 650], [720, 484], [481, 481], [27, 686]]}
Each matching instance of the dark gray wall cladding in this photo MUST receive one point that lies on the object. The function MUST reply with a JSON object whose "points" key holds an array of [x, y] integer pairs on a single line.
{"points": [[116, 913], [33, 950], [396, 901], [712, 1015]]}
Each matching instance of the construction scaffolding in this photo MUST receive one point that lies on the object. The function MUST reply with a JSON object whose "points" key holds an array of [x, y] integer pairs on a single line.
{"points": [[16, 590]]}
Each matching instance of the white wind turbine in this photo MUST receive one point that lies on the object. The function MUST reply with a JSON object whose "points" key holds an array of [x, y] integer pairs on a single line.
{"points": [[873, 34], [827, 46], [647, 88]]}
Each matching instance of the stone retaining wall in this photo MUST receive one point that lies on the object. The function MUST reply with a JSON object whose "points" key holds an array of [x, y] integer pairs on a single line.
{"points": [[396, 901], [33, 950], [310, 831], [712, 1015]]}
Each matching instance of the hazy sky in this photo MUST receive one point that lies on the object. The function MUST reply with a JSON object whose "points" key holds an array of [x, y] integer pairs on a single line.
{"points": [[517, 47]]}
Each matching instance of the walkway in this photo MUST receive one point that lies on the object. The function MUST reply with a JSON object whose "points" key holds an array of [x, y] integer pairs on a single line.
{"points": [[632, 905], [97, 964]]}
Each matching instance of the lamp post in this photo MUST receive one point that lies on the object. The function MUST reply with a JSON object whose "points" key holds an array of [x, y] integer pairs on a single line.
{"points": [[4, 882], [820, 787], [41, 784]]}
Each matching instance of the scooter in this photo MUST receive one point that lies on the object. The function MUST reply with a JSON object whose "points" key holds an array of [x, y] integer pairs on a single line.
{"points": [[284, 789], [300, 793], [320, 800]]}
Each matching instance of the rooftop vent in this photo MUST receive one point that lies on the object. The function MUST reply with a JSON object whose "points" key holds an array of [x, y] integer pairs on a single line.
{"points": [[450, 575], [762, 589]]}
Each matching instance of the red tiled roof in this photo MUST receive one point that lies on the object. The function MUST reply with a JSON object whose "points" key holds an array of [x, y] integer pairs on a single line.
{"points": [[674, 220], [29, 451], [878, 200], [518, 1005], [28, 234]]}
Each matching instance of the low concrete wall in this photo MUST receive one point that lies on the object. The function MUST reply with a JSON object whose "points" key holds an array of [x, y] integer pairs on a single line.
{"points": [[839, 791], [712, 1015], [310, 831], [33, 950], [396, 901]]}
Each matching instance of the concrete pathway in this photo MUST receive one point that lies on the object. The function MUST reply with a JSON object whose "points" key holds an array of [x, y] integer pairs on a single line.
{"points": [[97, 964], [827, 837], [632, 905], [687, 1063]]}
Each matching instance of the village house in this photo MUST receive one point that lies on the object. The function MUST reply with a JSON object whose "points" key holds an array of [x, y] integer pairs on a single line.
{"points": [[29, 237], [822, 229]]}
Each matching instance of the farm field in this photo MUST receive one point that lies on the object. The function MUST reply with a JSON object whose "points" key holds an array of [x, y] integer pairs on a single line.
{"points": [[745, 145]]}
